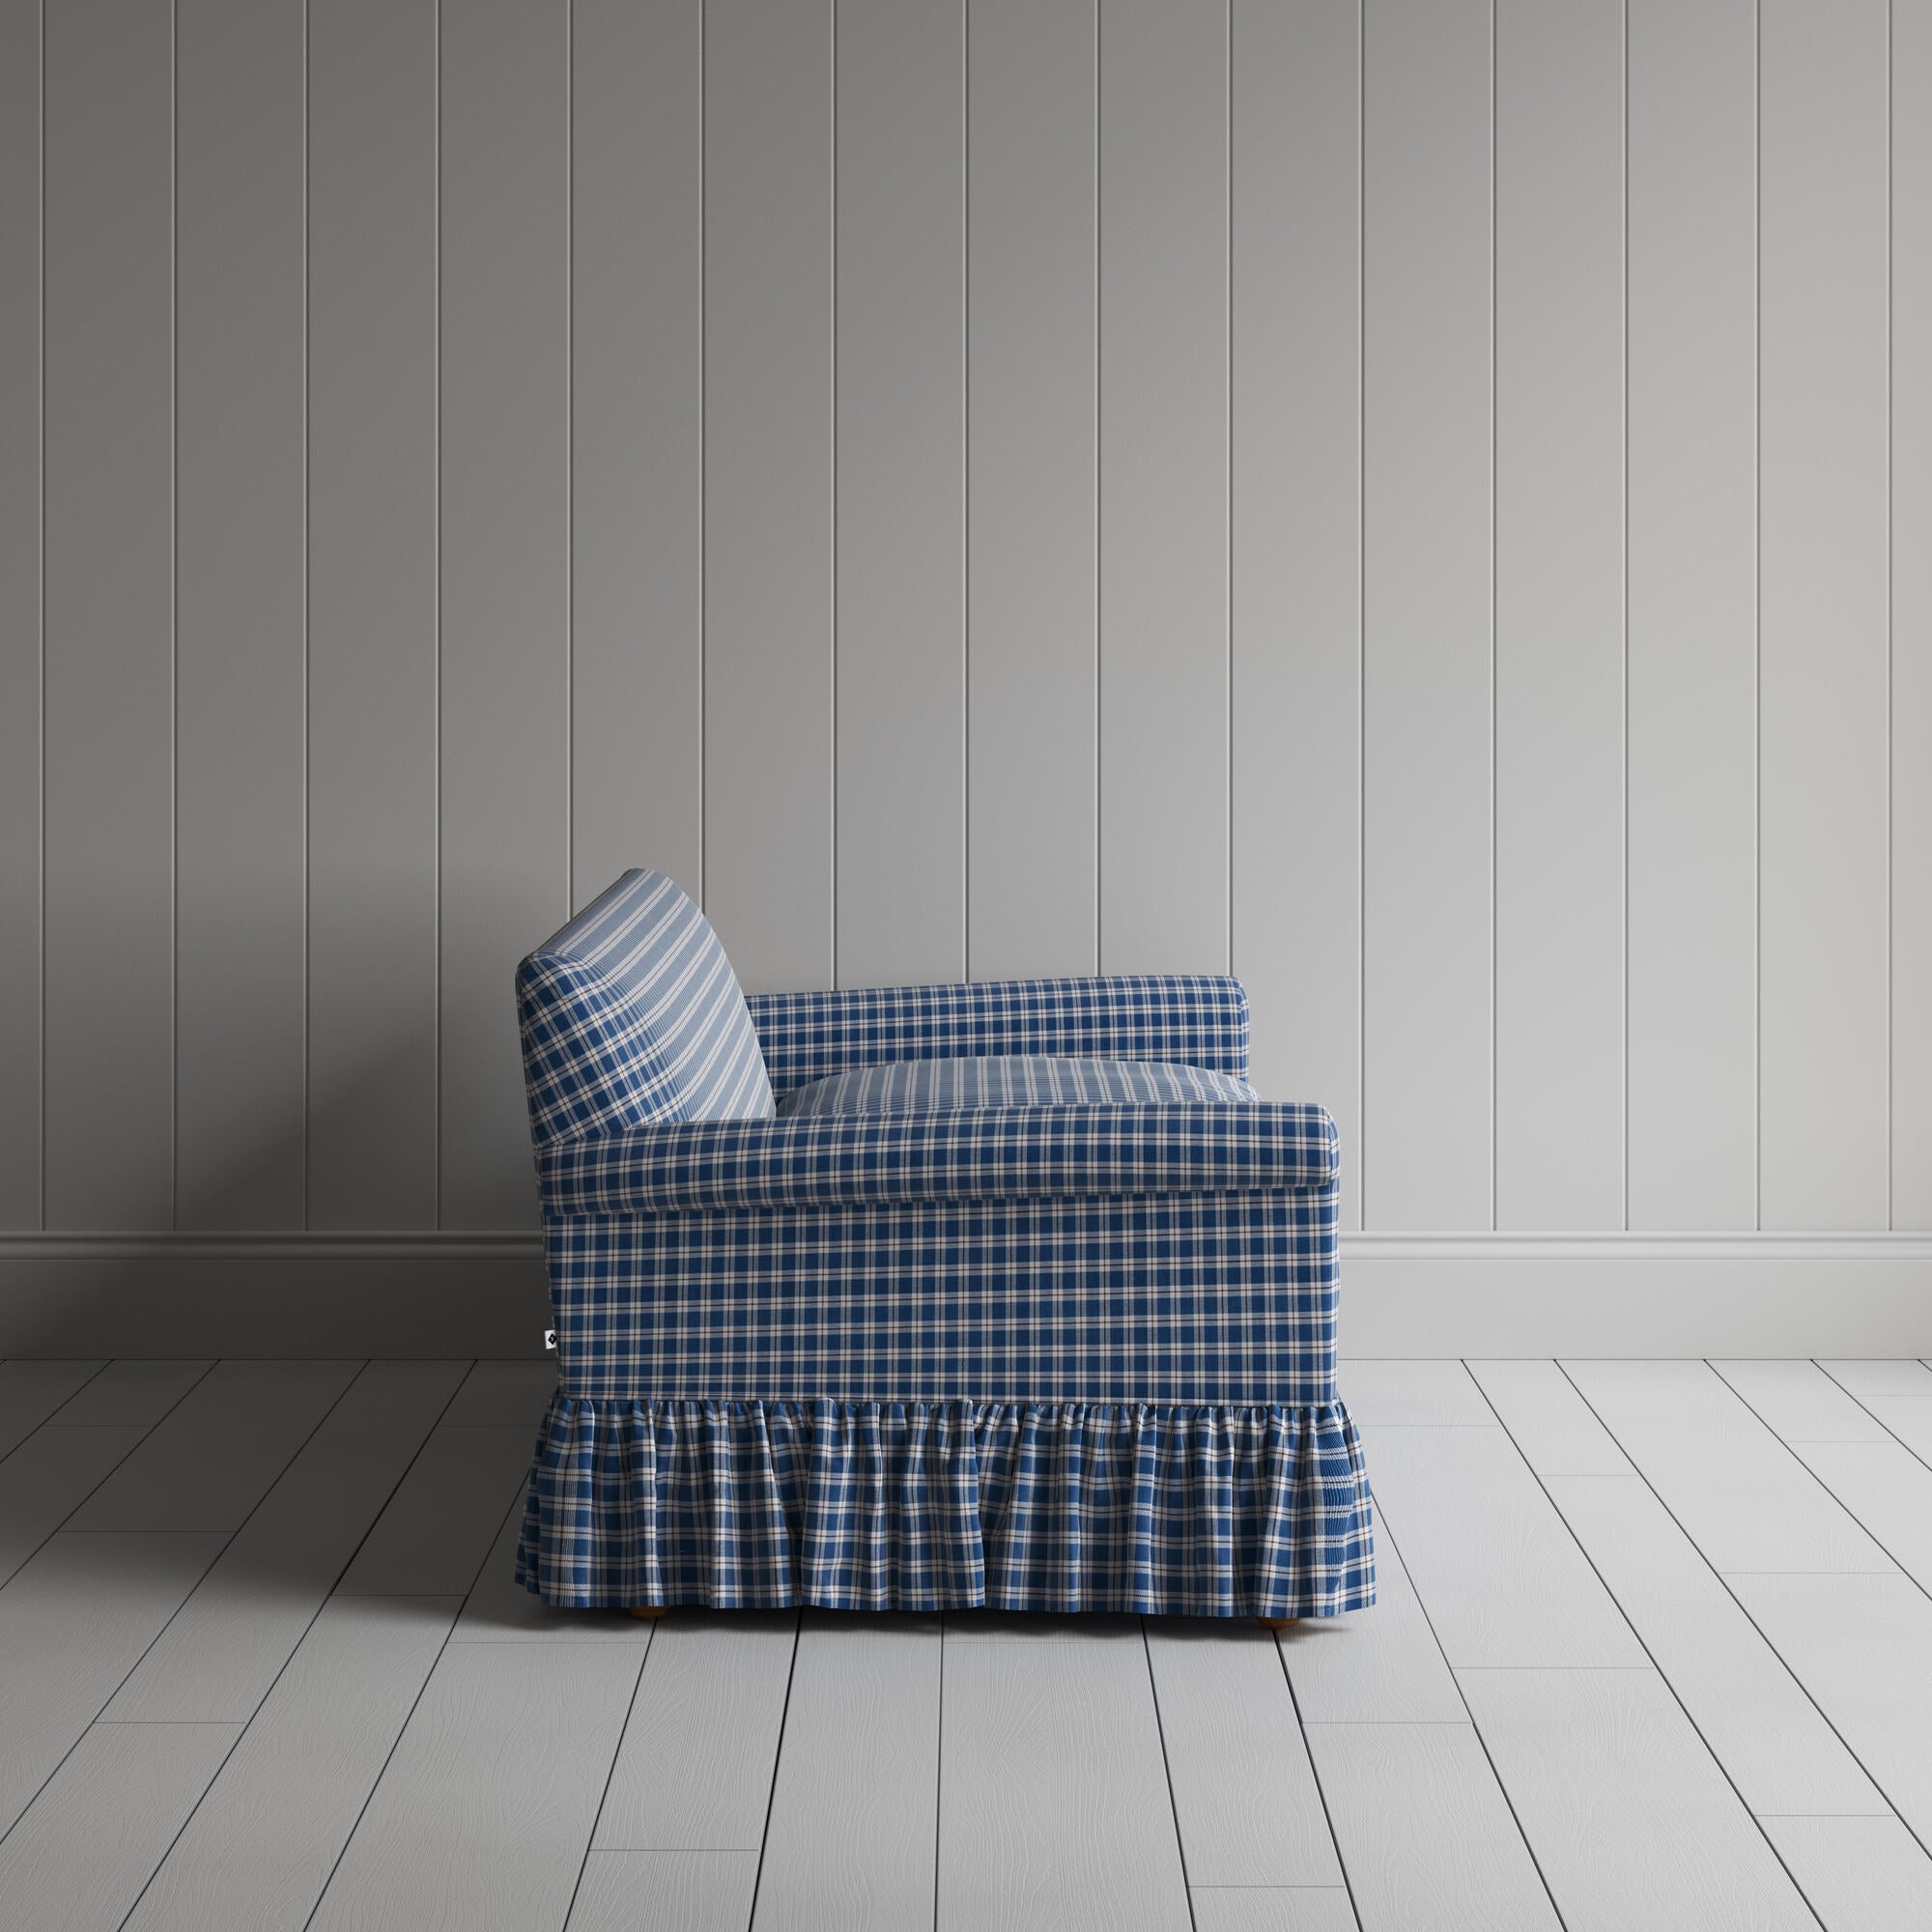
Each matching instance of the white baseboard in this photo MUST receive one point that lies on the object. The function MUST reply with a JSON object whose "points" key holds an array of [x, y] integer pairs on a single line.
{"points": [[1827, 1295], [1402, 1295]]}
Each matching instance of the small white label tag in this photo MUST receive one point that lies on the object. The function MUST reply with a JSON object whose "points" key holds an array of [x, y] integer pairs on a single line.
{"points": [[550, 1340]]}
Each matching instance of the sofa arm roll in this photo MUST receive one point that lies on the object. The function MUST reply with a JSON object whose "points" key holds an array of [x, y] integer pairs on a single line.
{"points": [[1196, 1019], [983, 1154]]}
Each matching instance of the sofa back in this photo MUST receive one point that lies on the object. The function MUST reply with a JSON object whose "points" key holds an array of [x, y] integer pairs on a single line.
{"points": [[631, 1013]]}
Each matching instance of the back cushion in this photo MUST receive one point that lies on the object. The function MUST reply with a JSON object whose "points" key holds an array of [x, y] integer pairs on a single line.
{"points": [[631, 1015]]}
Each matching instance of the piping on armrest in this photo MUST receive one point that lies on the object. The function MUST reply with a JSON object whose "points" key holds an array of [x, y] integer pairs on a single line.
{"points": [[1197, 1020], [979, 1154]]}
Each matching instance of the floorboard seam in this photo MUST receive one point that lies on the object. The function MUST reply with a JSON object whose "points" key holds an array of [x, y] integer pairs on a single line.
{"points": [[1657, 1670], [1791, 1451], [1824, 1715], [1891, 1432], [362, 1810], [1167, 1775], [280, 1673], [1320, 1792], [1542, 1878], [778, 1754], [228, 1537], [82, 1502], [939, 1773], [610, 1770]]}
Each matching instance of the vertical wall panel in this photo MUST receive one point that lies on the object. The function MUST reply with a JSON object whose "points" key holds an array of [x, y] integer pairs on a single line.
{"points": [[1692, 1082], [1559, 614], [1825, 1053], [109, 593], [1031, 803], [1911, 759], [1164, 644], [1426, 616], [372, 614], [768, 488], [505, 564], [902, 375], [637, 441], [1295, 445], [19, 614], [240, 725]]}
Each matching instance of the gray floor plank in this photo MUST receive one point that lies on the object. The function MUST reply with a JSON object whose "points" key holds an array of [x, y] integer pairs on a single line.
{"points": [[30, 1391], [1426, 1834], [89, 1840], [1548, 1421], [218, 1659], [501, 1610], [1862, 1647], [1908, 1417], [1055, 1811], [1744, 1498], [694, 1771], [218, 1451], [131, 1392], [505, 1392], [1306, 1908], [483, 1814], [1498, 1572], [260, 1847], [435, 1532], [1244, 1793], [1397, 1393], [1800, 1403], [1752, 1712], [1764, 1730], [1883, 1377], [1859, 1874], [854, 1811], [666, 1891], [1889, 1490], [1630, 1817], [1378, 1665], [48, 1477], [72, 1624]]}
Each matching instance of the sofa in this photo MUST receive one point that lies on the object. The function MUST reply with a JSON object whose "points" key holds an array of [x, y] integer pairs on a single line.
{"points": [[1010, 1293]]}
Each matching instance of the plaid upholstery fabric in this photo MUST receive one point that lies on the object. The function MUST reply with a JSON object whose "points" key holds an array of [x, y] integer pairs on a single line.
{"points": [[1008, 1080], [1259, 1511], [984, 1153], [1201, 1020], [1177, 1297], [954, 1347], [631, 1013]]}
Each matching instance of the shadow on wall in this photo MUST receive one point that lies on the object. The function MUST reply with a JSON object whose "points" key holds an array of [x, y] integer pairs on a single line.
{"points": [[385, 1282]]}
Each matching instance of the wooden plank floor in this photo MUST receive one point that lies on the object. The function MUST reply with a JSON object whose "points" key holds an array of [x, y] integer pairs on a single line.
{"points": [[1654, 1648]]}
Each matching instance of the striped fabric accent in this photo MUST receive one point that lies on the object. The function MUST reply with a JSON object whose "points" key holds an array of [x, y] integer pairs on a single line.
{"points": [[1201, 1020], [984, 1153], [631, 1015], [1008, 1080], [1159, 1509], [1165, 1297]]}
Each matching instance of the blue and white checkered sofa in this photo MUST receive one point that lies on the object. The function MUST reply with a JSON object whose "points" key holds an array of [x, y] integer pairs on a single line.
{"points": [[919, 1297]]}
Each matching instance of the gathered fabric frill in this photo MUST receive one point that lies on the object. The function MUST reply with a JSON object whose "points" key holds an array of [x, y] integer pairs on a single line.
{"points": [[1172, 1509]]}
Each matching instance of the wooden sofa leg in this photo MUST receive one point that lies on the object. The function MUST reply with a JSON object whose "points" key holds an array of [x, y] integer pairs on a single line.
{"points": [[650, 1611], [1278, 1623]]}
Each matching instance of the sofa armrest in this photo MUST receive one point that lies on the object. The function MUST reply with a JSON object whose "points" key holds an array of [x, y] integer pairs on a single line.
{"points": [[981, 1154], [1196, 1019]]}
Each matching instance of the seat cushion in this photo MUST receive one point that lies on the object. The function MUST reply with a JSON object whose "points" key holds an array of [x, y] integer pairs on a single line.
{"points": [[631, 1015], [1008, 1080]]}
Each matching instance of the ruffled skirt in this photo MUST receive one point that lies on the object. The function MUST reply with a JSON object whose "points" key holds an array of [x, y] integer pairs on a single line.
{"points": [[1175, 1508]]}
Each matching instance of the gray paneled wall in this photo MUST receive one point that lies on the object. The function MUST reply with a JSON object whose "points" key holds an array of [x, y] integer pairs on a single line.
{"points": [[1424, 502]]}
